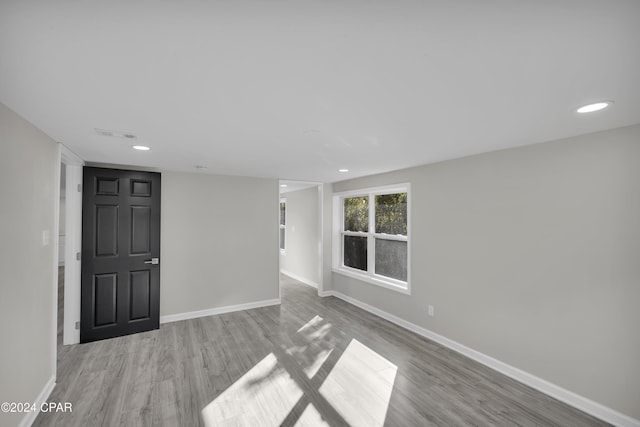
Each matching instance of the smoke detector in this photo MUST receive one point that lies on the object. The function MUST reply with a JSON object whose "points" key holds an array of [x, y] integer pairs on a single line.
{"points": [[115, 133]]}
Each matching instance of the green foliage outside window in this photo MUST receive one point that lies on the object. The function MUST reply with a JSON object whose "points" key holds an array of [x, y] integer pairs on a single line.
{"points": [[390, 211], [391, 214], [282, 213], [356, 214], [390, 254]]}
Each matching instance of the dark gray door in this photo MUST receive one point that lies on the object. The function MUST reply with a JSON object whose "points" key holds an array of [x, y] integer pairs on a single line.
{"points": [[120, 253]]}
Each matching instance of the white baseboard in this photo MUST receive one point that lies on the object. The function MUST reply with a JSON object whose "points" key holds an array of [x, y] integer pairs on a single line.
{"points": [[217, 310], [300, 278], [570, 398], [30, 417]]}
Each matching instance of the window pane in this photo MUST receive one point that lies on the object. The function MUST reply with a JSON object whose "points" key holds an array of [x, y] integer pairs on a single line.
{"points": [[355, 252], [391, 259], [356, 214], [282, 213], [281, 237], [391, 213]]}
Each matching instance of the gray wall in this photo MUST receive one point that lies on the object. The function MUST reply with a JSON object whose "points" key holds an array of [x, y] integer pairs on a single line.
{"points": [[531, 256], [29, 165], [219, 241], [327, 232], [302, 254]]}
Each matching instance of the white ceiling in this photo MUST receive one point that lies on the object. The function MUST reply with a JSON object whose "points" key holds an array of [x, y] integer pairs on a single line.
{"points": [[296, 89], [287, 186]]}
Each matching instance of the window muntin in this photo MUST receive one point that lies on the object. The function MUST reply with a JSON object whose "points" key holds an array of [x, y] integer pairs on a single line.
{"points": [[374, 236]]}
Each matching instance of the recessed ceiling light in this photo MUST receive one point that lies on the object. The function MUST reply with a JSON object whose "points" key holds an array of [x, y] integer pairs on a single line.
{"points": [[141, 147], [343, 170], [594, 107], [283, 185]]}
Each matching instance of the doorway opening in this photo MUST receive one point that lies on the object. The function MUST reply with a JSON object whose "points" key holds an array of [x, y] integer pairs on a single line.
{"points": [[300, 228], [61, 252], [69, 234]]}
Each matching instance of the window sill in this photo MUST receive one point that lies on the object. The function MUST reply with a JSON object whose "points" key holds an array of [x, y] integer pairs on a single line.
{"points": [[375, 280]]}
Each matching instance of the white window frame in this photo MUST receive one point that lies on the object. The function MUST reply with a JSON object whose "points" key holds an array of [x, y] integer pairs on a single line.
{"points": [[283, 226], [338, 242]]}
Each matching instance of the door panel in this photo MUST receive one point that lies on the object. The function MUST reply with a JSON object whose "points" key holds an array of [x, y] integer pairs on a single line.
{"points": [[140, 188], [140, 230], [140, 291], [106, 186], [106, 231], [105, 292], [120, 235]]}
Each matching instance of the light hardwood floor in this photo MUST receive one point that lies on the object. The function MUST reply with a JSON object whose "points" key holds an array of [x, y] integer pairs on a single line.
{"points": [[311, 361]]}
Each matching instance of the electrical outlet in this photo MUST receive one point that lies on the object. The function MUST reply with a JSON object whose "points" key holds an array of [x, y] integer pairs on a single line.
{"points": [[430, 310], [46, 238]]}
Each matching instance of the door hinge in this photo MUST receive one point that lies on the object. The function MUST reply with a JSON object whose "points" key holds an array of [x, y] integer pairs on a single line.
{"points": [[79, 188], [77, 325], [78, 256]]}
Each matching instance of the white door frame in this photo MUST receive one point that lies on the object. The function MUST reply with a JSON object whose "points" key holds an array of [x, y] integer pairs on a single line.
{"points": [[325, 194], [73, 245], [321, 272], [320, 200]]}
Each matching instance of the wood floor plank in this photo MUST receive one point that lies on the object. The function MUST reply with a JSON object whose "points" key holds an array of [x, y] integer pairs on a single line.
{"points": [[310, 361]]}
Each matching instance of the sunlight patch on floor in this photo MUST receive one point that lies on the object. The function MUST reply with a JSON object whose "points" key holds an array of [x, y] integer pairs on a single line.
{"points": [[263, 396], [316, 348], [311, 418], [359, 386], [310, 324], [356, 390], [314, 367]]}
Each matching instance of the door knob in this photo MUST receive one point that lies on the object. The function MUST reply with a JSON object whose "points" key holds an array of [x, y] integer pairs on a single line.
{"points": [[154, 261]]}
